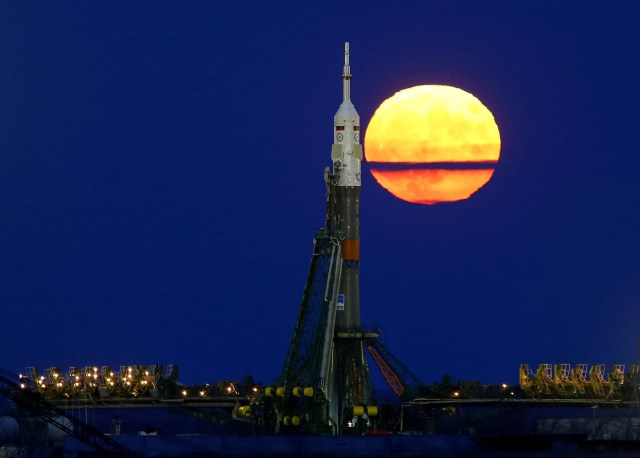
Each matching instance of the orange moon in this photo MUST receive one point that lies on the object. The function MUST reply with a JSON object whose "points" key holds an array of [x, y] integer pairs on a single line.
{"points": [[431, 144]]}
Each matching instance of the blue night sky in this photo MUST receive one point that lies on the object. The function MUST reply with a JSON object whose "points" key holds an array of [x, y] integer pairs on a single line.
{"points": [[161, 183]]}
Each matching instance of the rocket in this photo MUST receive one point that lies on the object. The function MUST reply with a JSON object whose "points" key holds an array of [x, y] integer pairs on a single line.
{"points": [[327, 348], [346, 154], [350, 390]]}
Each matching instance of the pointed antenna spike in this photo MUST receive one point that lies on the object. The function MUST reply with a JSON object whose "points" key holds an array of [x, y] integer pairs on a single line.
{"points": [[346, 74]]}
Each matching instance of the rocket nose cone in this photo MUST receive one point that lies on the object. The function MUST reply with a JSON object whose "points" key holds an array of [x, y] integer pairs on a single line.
{"points": [[347, 111]]}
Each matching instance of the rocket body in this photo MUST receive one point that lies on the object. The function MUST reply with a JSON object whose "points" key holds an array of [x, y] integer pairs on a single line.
{"points": [[327, 348], [349, 387], [346, 154]]}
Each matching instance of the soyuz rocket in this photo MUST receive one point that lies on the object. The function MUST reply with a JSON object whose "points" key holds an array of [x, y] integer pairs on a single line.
{"points": [[327, 348], [349, 390]]}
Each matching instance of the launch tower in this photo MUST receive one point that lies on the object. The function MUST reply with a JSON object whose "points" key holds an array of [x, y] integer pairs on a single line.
{"points": [[325, 384]]}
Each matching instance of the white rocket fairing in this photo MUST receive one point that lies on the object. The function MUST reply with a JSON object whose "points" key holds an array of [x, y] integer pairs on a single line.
{"points": [[346, 151]]}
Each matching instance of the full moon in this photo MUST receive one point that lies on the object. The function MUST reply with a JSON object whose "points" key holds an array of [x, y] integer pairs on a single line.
{"points": [[431, 144]]}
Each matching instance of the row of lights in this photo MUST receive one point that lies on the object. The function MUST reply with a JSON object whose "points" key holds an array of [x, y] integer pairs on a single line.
{"points": [[132, 379], [230, 389], [504, 386]]}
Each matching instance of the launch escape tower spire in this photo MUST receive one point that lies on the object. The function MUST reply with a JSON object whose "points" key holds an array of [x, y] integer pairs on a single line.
{"points": [[325, 384]]}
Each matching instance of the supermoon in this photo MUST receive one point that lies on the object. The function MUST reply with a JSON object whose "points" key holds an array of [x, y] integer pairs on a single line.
{"points": [[432, 144]]}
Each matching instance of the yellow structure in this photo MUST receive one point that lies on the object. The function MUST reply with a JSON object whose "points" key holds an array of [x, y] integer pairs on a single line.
{"points": [[563, 381]]}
